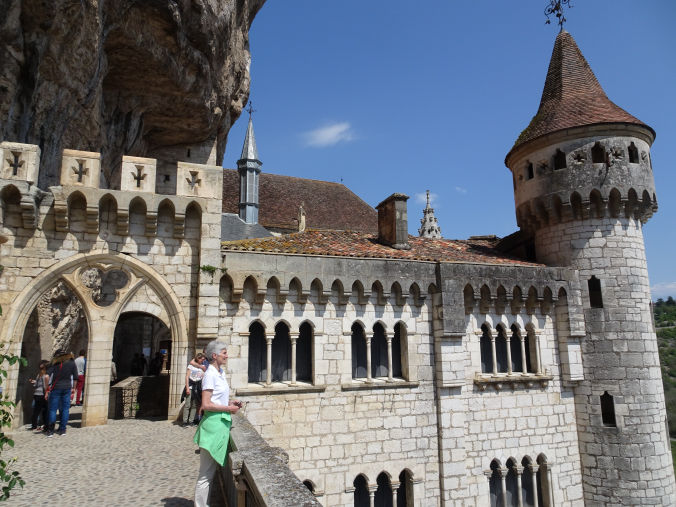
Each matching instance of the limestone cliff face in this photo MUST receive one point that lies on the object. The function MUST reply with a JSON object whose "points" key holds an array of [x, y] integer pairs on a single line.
{"points": [[122, 77]]}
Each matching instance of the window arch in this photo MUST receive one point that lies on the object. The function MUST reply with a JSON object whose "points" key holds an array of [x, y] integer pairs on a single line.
{"points": [[511, 485], [379, 352], [598, 153], [257, 353], [559, 160], [527, 485], [361, 492], [304, 352], [405, 489], [515, 350], [281, 353], [544, 487], [595, 295], [495, 484], [399, 351], [383, 495], [633, 153], [486, 351], [358, 352]]}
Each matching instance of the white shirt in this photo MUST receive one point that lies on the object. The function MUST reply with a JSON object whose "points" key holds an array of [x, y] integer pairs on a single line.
{"points": [[215, 380], [196, 374]]}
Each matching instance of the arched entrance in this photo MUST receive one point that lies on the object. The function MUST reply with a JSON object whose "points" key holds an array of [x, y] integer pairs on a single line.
{"points": [[97, 281]]}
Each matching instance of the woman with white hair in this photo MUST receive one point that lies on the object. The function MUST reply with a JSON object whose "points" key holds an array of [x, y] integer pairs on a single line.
{"points": [[213, 433]]}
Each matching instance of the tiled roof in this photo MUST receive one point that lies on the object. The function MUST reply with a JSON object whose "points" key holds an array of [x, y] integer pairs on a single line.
{"points": [[364, 245], [572, 95], [327, 205]]}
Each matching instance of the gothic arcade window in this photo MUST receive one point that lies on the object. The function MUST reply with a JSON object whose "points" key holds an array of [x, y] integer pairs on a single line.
{"points": [[559, 160], [595, 296], [304, 353], [405, 489], [486, 351], [257, 353], [598, 153], [361, 492], [383, 496], [379, 352], [281, 354], [515, 350], [544, 490], [608, 410], [633, 154], [527, 489], [503, 483], [495, 485], [511, 484], [397, 358], [358, 352]]}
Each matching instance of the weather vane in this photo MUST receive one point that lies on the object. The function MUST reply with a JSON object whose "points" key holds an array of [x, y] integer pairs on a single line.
{"points": [[250, 110], [555, 8]]}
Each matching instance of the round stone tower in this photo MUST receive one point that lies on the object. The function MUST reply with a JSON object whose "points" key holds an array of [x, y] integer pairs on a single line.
{"points": [[583, 186]]}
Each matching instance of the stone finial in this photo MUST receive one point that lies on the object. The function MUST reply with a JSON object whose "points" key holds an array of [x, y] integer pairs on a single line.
{"points": [[19, 161], [429, 228], [138, 174], [301, 217], [80, 168], [393, 222]]}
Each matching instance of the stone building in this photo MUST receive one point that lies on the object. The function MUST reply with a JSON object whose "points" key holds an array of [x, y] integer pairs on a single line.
{"points": [[392, 369]]}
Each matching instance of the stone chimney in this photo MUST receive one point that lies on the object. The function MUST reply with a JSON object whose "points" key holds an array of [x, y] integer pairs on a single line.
{"points": [[393, 222]]}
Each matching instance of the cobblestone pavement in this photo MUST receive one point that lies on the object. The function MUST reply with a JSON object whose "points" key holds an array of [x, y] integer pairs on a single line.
{"points": [[126, 462]]}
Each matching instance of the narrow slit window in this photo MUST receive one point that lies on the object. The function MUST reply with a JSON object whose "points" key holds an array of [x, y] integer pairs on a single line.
{"points": [[559, 160], [530, 173], [633, 154], [608, 410], [595, 296]]}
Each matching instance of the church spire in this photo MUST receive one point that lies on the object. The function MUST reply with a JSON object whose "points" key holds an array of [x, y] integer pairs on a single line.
{"points": [[429, 228], [249, 168]]}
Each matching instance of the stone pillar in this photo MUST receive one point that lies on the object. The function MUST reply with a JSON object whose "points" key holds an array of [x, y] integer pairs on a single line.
{"points": [[268, 341], [503, 484], [534, 480], [535, 342], [97, 380], [524, 364], [519, 470], [372, 495], [389, 337], [395, 487], [294, 338], [509, 353], [368, 356], [494, 356]]}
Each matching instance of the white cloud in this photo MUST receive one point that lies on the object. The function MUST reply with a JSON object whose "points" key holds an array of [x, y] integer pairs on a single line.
{"points": [[461, 190], [329, 135], [663, 290], [421, 197]]}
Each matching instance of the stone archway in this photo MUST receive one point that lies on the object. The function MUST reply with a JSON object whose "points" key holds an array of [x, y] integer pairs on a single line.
{"points": [[104, 283]]}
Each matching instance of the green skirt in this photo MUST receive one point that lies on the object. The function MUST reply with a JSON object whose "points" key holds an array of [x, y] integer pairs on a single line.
{"points": [[213, 434]]}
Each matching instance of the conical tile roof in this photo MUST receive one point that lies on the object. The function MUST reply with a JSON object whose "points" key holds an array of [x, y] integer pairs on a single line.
{"points": [[572, 96], [249, 150]]}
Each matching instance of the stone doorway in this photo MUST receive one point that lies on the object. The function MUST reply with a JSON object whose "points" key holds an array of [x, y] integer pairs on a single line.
{"points": [[142, 355]]}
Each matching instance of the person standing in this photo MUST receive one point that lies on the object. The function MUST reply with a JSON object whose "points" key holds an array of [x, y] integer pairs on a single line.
{"points": [[193, 391], [81, 363], [41, 385], [213, 433], [63, 375]]}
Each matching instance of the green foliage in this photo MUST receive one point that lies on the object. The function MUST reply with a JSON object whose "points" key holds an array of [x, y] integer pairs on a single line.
{"points": [[665, 312], [9, 478], [207, 268], [665, 321]]}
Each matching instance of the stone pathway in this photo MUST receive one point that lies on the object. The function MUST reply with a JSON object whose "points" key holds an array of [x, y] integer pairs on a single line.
{"points": [[126, 462]]}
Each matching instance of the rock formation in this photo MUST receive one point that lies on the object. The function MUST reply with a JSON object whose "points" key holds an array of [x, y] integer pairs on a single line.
{"points": [[131, 77]]}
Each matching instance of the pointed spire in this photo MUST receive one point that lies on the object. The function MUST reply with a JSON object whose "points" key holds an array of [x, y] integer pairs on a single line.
{"points": [[572, 96], [429, 228], [249, 150]]}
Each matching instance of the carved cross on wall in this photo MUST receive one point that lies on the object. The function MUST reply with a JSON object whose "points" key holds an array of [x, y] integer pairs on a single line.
{"points": [[139, 176], [193, 181], [16, 163], [81, 170]]}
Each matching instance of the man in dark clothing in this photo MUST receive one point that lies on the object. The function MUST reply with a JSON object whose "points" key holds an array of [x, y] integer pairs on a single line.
{"points": [[63, 379]]}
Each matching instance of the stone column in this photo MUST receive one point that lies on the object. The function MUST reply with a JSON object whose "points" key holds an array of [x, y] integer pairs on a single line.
{"points": [[368, 356], [534, 474], [268, 341], [503, 484], [519, 470], [524, 367], [372, 495], [395, 487], [97, 380], [294, 338], [538, 364], [509, 354], [389, 337], [494, 355]]}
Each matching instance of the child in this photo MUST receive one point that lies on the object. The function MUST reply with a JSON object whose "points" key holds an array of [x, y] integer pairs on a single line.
{"points": [[40, 383]]}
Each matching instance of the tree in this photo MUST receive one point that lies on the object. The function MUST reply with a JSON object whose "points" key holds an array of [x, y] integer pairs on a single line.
{"points": [[670, 301]]}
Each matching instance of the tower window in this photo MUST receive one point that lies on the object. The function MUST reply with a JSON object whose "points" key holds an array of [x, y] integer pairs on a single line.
{"points": [[633, 153], [167, 178], [530, 173], [559, 160], [598, 154], [608, 410], [595, 297], [188, 154]]}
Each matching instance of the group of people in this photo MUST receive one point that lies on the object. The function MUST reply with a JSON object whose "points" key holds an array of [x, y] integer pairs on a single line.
{"points": [[57, 385], [140, 366]]}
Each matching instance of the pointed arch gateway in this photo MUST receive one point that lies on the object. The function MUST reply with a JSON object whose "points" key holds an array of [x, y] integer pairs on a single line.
{"points": [[101, 317]]}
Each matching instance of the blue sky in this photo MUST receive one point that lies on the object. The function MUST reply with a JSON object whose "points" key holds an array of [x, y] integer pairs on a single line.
{"points": [[394, 96]]}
